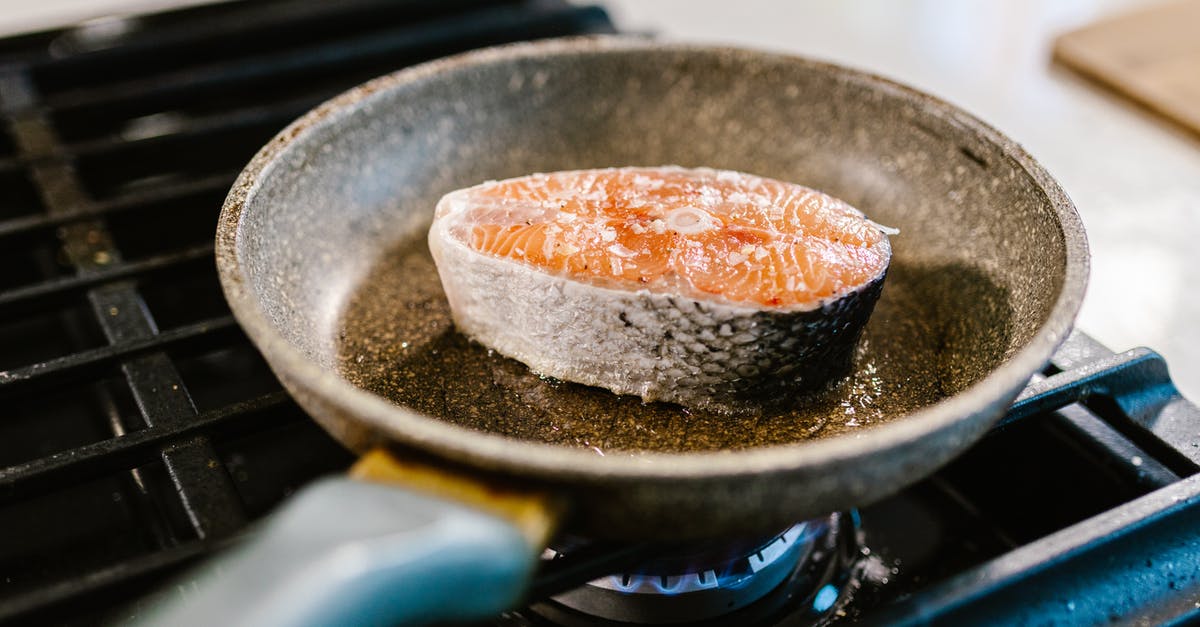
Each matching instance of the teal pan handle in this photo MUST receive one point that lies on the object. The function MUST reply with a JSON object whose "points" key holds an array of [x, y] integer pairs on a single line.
{"points": [[349, 552]]}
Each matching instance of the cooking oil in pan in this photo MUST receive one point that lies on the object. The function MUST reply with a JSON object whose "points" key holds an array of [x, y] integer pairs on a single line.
{"points": [[935, 330]]}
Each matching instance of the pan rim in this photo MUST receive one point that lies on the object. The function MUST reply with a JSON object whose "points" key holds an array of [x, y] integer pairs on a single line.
{"points": [[552, 461]]}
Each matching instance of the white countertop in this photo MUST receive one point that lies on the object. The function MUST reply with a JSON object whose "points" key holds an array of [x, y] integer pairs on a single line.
{"points": [[1135, 179]]}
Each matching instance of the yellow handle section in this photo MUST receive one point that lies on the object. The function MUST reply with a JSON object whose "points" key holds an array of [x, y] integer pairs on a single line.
{"points": [[536, 514]]}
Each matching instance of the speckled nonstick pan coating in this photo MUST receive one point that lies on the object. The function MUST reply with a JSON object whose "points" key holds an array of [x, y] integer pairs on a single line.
{"points": [[322, 255]]}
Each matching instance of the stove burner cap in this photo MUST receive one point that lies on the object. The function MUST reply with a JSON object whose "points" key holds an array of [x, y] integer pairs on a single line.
{"points": [[674, 591]]}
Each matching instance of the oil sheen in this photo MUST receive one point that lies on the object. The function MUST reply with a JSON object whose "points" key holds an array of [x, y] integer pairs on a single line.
{"points": [[936, 329]]}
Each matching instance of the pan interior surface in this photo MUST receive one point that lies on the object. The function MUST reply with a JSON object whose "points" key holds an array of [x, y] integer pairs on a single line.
{"points": [[333, 246], [931, 327]]}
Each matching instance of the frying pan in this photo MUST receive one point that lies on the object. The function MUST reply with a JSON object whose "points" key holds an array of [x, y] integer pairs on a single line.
{"points": [[321, 252]]}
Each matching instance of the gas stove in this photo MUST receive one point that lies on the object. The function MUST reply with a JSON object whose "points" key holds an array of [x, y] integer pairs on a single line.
{"points": [[1080, 507], [143, 431]]}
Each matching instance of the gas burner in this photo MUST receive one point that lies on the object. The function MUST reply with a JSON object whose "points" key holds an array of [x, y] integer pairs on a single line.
{"points": [[801, 575]]}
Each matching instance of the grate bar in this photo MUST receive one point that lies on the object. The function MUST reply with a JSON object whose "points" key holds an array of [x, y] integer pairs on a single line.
{"points": [[1148, 408], [193, 128], [62, 594], [24, 225], [1115, 375], [211, 83], [59, 291], [239, 23], [126, 451], [202, 483], [404, 45], [1083, 574], [201, 335]]}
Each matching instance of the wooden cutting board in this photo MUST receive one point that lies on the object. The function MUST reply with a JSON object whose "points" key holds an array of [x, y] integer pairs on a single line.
{"points": [[1151, 56]]}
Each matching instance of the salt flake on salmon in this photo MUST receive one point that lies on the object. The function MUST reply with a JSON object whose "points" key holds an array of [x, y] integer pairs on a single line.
{"points": [[695, 286]]}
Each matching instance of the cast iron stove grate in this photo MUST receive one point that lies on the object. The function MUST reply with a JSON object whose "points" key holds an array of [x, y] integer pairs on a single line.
{"points": [[139, 426], [140, 429]]}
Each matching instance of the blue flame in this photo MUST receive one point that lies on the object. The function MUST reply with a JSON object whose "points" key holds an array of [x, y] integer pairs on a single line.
{"points": [[734, 574], [672, 585], [826, 597]]}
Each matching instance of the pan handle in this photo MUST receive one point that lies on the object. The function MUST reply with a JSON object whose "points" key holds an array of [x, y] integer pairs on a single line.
{"points": [[353, 552]]}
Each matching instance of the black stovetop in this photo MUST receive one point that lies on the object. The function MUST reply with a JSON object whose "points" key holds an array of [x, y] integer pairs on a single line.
{"points": [[141, 430]]}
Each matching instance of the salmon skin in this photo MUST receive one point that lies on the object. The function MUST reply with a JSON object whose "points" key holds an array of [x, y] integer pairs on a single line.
{"points": [[708, 288]]}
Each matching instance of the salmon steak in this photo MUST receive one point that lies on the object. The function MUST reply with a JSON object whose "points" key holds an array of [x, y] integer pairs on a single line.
{"points": [[707, 288]]}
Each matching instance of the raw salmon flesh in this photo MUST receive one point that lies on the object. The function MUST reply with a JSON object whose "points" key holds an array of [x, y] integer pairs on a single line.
{"points": [[707, 288]]}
